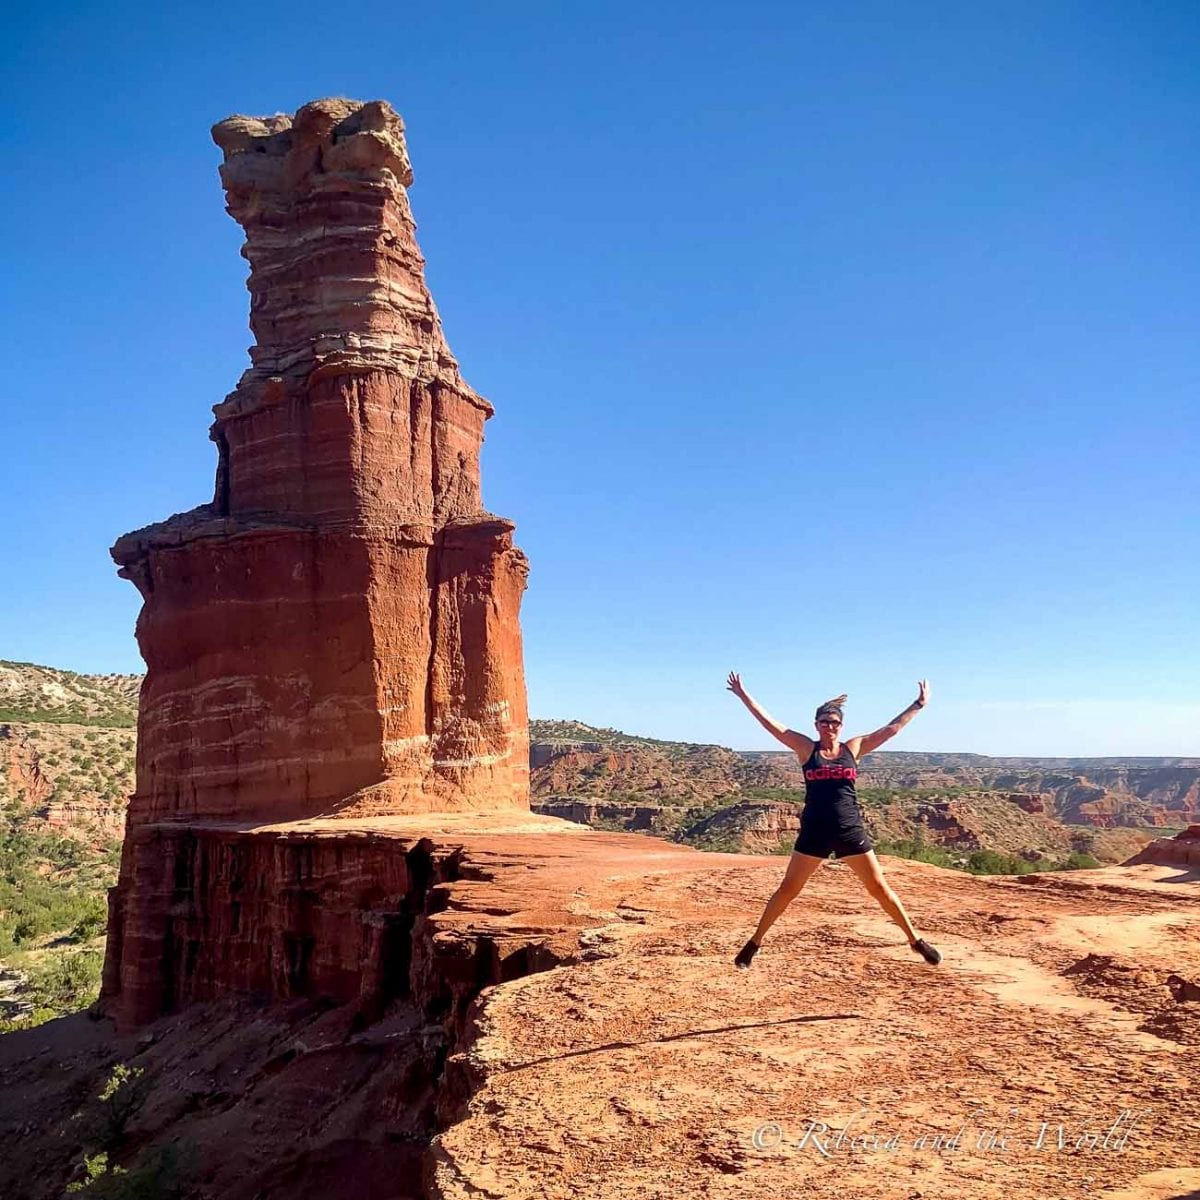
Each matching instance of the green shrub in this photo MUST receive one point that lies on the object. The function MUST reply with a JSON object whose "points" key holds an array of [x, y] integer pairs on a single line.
{"points": [[93, 920], [918, 850], [993, 862], [160, 1173], [95, 1167], [67, 981], [123, 1094], [103, 1120], [39, 1016]]}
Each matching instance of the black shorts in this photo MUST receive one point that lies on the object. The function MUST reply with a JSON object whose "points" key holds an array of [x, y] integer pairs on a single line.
{"points": [[840, 839]]}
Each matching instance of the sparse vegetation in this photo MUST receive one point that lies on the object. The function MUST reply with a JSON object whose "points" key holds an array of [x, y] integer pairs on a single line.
{"points": [[160, 1173], [979, 862], [67, 980], [993, 862], [577, 731], [123, 1094], [53, 914], [32, 694], [69, 747], [108, 719], [918, 850]]}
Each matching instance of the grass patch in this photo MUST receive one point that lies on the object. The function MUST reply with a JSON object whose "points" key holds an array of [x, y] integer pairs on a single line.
{"points": [[112, 719]]}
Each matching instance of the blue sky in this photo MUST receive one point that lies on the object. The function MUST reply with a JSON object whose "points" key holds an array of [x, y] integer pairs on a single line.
{"points": [[840, 344]]}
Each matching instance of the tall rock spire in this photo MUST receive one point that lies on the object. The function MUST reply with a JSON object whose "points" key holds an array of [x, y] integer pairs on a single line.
{"points": [[337, 632]]}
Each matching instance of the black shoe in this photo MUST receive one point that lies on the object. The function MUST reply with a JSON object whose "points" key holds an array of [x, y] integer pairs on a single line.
{"points": [[746, 954], [926, 951]]}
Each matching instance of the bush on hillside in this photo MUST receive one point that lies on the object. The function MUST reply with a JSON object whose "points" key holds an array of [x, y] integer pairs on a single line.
{"points": [[917, 849], [66, 980]]}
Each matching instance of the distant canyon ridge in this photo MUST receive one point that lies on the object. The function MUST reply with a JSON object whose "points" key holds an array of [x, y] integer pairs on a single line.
{"points": [[67, 752], [1152, 792]]}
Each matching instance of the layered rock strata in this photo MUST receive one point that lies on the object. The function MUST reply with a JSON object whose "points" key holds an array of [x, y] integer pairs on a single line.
{"points": [[642, 818], [348, 912], [337, 631], [335, 635]]}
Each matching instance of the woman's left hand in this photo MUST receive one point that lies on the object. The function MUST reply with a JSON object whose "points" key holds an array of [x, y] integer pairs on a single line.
{"points": [[923, 692]]}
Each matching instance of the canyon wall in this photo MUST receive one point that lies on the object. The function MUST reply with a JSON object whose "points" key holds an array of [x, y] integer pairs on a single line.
{"points": [[1101, 792]]}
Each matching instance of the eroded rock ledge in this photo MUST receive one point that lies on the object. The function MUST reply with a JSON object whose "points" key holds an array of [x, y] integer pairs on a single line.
{"points": [[302, 997], [1181, 850], [348, 911]]}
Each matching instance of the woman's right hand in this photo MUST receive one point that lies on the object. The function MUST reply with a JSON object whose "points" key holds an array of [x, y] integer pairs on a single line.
{"points": [[735, 685]]}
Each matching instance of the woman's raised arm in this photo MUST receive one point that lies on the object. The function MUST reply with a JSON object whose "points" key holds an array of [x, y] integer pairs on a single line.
{"points": [[789, 737], [866, 742]]}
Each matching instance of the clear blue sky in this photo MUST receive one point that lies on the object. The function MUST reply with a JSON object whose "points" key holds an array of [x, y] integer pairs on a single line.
{"points": [[837, 343]]}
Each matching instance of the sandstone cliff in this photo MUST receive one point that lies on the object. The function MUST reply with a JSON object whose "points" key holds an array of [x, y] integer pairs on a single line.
{"points": [[336, 634], [71, 778], [66, 750], [1183, 850], [337, 630]]}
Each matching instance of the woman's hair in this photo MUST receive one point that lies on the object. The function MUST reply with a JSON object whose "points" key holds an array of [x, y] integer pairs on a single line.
{"points": [[832, 706]]}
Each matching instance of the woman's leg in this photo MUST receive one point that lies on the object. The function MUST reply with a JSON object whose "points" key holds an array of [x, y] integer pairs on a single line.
{"points": [[866, 867], [800, 870]]}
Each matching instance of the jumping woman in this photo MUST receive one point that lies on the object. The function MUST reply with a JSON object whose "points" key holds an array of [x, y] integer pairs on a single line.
{"points": [[832, 819]]}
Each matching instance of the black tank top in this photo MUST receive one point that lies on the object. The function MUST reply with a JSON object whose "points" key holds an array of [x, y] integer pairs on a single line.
{"points": [[829, 783]]}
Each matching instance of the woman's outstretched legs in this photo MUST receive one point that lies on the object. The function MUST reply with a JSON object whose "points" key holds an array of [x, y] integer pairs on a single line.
{"points": [[800, 870], [866, 867]]}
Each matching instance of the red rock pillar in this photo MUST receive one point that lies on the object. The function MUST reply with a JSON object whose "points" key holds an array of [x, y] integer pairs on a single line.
{"points": [[337, 632]]}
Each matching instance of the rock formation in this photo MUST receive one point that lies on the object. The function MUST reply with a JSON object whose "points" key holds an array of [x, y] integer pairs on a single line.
{"points": [[336, 632], [946, 823], [642, 818], [1029, 801], [26, 776], [749, 826], [335, 636], [1182, 850]]}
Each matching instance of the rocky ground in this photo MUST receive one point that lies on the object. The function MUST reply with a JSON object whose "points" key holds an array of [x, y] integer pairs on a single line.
{"points": [[641, 1064], [660, 1065]]}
